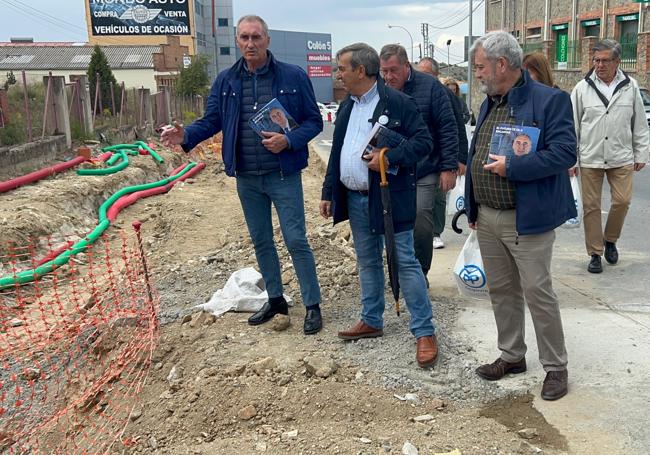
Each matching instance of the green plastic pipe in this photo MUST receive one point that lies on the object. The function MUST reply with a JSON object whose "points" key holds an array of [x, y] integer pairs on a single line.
{"points": [[151, 151], [28, 276], [109, 170], [103, 209], [120, 147]]}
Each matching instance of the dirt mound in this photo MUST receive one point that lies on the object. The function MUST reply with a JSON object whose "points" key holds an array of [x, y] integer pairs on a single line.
{"points": [[222, 386]]}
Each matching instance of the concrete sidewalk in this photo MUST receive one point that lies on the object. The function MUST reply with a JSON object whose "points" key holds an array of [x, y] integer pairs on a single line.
{"points": [[607, 327]]}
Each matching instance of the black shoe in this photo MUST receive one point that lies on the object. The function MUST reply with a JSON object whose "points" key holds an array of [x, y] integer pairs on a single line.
{"points": [[556, 385], [313, 321], [611, 253], [499, 368], [595, 265], [268, 310]]}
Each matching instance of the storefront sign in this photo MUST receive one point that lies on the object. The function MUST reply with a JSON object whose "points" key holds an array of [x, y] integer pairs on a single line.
{"points": [[560, 27], [139, 17], [319, 70], [591, 22], [628, 17], [319, 58]]}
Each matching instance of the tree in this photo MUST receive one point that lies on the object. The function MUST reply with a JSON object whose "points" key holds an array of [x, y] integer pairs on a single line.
{"points": [[193, 80], [11, 80], [99, 65]]}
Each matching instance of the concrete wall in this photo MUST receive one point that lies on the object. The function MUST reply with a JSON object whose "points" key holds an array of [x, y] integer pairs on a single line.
{"points": [[25, 158]]}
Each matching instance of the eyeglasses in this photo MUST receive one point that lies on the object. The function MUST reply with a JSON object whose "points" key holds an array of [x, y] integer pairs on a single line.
{"points": [[604, 61]]}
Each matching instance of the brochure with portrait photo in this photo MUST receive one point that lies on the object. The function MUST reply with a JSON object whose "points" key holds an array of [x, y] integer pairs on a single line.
{"points": [[517, 140], [381, 137], [272, 118]]}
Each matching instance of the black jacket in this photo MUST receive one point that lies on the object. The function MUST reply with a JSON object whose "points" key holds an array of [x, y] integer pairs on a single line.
{"points": [[405, 119], [436, 109], [457, 105]]}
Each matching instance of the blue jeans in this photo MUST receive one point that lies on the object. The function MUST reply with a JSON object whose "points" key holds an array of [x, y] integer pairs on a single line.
{"points": [[369, 248], [257, 193]]}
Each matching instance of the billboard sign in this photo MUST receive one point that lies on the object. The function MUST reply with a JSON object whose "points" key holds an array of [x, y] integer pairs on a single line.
{"points": [[139, 17]]}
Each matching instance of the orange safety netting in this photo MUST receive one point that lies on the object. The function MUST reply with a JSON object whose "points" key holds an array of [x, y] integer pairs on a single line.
{"points": [[75, 346]]}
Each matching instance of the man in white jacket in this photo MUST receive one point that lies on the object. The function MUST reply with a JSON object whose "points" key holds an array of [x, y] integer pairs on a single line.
{"points": [[613, 141]]}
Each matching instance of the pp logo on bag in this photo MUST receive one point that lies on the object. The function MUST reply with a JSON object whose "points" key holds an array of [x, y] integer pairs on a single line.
{"points": [[473, 277], [460, 203]]}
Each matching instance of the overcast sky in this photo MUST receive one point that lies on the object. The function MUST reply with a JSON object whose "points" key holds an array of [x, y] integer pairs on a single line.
{"points": [[348, 21]]}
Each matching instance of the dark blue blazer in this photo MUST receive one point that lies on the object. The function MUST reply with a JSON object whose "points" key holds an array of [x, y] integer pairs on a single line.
{"points": [[543, 192]]}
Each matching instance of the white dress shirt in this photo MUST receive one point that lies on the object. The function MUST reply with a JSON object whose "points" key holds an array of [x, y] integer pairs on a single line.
{"points": [[354, 171], [608, 89]]}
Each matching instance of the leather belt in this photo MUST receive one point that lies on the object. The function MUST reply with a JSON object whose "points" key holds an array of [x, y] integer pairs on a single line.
{"points": [[361, 192]]}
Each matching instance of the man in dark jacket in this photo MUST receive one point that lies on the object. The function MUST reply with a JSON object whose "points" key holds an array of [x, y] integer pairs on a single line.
{"points": [[268, 170], [429, 66], [351, 191], [439, 168], [516, 202]]}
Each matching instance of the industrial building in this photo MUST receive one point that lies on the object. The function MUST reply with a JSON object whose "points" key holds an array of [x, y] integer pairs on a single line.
{"points": [[565, 31]]}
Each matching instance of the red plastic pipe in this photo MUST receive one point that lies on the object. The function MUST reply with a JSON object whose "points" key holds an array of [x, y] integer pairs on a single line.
{"points": [[129, 199], [44, 173]]}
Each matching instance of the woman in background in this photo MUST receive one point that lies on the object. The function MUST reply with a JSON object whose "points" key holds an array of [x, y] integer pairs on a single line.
{"points": [[452, 84], [539, 68]]}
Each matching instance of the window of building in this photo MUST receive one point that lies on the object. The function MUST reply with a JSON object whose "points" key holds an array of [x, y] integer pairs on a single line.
{"points": [[628, 28], [224, 51], [591, 27], [223, 22], [535, 32], [561, 32], [198, 8], [200, 39]]}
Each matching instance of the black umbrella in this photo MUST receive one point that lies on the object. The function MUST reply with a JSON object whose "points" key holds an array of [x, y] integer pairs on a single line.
{"points": [[389, 231]]}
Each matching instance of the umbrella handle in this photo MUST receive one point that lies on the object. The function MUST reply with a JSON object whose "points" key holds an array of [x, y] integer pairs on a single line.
{"points": [[382, 166]]}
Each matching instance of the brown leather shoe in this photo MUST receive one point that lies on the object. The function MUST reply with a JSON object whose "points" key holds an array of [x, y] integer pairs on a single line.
{"points": [[556, 385], [360, 330], [427, 351], [499, 368]]}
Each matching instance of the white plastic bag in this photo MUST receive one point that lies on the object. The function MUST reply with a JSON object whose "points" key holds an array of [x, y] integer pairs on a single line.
{"points": [[244, 291], [468, 271], [456, 199], [577, 199]]}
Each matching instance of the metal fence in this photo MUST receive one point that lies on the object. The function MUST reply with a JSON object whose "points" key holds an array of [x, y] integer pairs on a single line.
{"points": [[628, 55]]}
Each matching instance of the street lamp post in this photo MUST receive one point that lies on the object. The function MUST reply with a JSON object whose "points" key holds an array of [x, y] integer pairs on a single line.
{"points": [[448, 44], [410, 36]]}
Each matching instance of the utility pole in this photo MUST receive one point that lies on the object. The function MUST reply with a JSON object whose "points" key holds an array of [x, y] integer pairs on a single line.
{"points": [[448, 68], [469, 59], [425, 39]]}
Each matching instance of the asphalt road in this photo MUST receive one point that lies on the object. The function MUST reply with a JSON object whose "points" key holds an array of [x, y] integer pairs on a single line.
{"points": [[607, 327]]}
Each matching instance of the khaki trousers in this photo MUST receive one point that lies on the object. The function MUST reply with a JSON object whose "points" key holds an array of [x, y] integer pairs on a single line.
{"points": [[620, 183], [518, 270]]}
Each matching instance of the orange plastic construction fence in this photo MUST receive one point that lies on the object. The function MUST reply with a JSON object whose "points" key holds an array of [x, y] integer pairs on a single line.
{"points": [[75, 346]]}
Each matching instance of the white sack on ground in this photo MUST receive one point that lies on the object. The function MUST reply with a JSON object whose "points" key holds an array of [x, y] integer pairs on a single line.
{"points": [[244, 291]]}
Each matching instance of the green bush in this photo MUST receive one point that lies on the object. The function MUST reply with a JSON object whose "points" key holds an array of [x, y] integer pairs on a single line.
{"points": [[12, 134], [77, 131], [189, 117]]}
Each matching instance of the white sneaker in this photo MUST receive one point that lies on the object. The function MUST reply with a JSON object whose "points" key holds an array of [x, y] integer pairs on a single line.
{"points": [[438, 243]]}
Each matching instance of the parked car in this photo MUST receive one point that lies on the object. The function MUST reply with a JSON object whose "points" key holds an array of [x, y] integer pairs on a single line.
{"points": [[645, 94], [328, 114]]}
